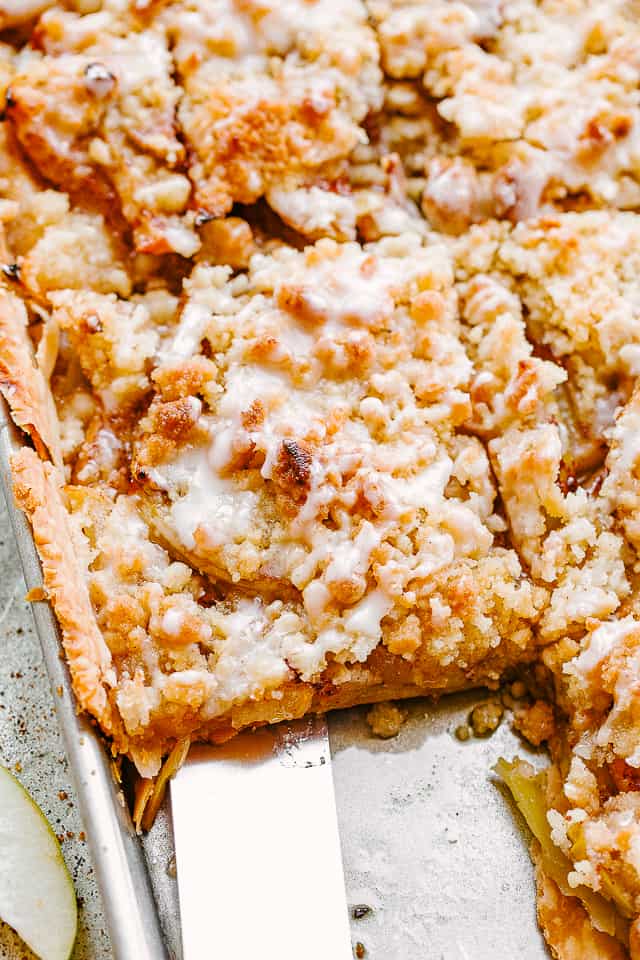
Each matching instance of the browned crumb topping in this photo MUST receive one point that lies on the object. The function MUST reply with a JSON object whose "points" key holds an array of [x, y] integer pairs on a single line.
{"points": [[536, 722]]}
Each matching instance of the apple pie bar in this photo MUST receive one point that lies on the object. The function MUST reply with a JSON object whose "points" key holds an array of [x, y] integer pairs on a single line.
{"points": [[321, 322]]}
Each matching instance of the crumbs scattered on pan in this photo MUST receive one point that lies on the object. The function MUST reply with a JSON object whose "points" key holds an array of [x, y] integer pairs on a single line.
{"points": [[531, 714], [386, 719], [486, 718]]}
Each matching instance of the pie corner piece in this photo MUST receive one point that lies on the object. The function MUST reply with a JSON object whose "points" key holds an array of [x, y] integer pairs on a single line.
{"points": [[329, 380]]}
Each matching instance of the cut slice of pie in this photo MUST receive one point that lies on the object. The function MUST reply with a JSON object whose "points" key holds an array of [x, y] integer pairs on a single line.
{"points": [[93, 107], [306, 521], [529, 106], [274, 98]]}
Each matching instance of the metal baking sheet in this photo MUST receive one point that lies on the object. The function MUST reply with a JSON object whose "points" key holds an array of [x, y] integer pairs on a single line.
{"points": [[430, 842]]}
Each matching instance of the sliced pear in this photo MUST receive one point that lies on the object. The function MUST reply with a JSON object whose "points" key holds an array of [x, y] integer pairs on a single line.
{"points": [[37, 897]]}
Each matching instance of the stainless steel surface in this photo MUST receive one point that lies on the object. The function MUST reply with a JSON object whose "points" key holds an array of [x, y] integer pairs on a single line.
{"points": [[257, 848], [119, 863], [428, 840]]}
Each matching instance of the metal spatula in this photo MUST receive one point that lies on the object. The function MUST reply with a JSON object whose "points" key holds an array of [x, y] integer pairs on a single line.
{"points": [[257, 848]]}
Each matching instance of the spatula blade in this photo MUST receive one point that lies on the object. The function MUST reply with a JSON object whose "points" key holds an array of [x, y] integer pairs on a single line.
{"points": [[257, 848]]}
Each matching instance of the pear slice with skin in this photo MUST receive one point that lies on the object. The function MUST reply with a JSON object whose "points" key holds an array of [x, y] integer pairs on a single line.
{"points": [[37, 897]]}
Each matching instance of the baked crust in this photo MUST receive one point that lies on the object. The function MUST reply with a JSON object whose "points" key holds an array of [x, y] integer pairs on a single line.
{"points": [[567, 928], [37, 492], [22, 383]]}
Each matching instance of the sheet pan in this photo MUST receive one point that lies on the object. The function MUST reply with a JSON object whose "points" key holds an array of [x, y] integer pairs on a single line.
{"points": [[430, 843]]}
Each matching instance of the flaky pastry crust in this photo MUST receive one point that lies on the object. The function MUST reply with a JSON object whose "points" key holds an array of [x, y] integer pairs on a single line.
{"points": [[22, 383], [37, 492]]}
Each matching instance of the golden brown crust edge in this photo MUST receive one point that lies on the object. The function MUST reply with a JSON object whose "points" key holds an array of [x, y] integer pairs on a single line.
{"points": [[21, 382], [37, 494], [567, 928], [296, 701]]}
